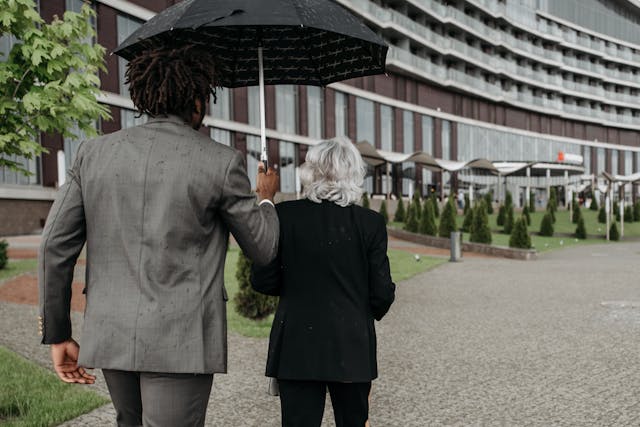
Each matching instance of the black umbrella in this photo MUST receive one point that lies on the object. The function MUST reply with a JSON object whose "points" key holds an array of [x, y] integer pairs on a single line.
{"points": [[257, 42]]}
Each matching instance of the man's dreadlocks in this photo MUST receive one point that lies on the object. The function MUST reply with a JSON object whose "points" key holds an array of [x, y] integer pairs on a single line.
{"points": [[169, 80]]}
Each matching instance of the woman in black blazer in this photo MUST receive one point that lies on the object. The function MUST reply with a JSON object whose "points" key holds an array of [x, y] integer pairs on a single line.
{"points": [[332, 276]]}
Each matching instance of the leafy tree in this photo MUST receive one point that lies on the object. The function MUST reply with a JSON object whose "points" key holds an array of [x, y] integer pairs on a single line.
{"points": [[628, 213], [526, 215], [594, 203], [480, 231], [365, 200], [468, 220], [532, 202], [602, 215], [448, 219], [520, 236], [48, 81], [411, 224], [3, 254], [613, 232], [383, 211], [501, 214], [581, 231], [546, 226], [249, 303], [400, 214], [488, 198], [508, 219], [428, 220]]}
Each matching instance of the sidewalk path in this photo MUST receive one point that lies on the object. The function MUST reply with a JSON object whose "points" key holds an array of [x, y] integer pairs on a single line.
{"points": [[482, 342]]}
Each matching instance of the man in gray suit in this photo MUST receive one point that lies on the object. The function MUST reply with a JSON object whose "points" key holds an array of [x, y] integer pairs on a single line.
{"points": [[154, 205]]}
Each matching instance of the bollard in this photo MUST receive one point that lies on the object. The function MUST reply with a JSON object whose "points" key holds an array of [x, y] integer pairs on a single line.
{"points": [[456, 246]]}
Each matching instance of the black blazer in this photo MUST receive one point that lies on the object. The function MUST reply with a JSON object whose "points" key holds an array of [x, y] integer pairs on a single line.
{"points": [[332, 276]]}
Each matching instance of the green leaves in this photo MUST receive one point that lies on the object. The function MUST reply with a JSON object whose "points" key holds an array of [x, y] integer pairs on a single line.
{"points": [[49, 80]]}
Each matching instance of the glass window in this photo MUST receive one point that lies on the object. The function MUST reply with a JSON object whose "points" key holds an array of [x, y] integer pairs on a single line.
{"points": [[71, 145], [365, 121], [253, 158], [126, 26], [427, 147], [315, 111], [386, 128], [9, 176], [221, 109], [222, 136], [628, 162], [586, 156], [287, 167], [408, 168], [614, 162], [129, 119], [341, 114], [600, 160], [253, 99], [286, 108], [446, 140]]}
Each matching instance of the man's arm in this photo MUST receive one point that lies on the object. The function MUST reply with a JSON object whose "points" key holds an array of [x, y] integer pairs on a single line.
{"points": [[255, 228], [381, 287]]}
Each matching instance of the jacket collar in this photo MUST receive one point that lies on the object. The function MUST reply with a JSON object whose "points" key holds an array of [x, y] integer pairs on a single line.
{"points": [[168, 118]]}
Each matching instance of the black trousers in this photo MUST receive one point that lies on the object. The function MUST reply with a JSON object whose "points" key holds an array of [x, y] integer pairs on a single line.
{"points": [[158, 400], [302, 403]]}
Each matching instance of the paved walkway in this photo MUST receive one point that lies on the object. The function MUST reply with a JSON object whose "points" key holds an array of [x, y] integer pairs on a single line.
{"points": [[553, 342]]}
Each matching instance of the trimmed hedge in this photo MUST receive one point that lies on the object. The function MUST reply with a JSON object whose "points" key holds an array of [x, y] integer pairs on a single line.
{"points": [[249, 303], [526, 215], [581, 231], [383, 211], [428, 221], [412, 221], [400, 214], [480, 231], [508, 219], [448, 219], [520, 236], [602, 216], [546, 226]]}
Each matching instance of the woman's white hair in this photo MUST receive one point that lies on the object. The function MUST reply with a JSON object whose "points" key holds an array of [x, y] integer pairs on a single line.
{"points": [[333, 171]]}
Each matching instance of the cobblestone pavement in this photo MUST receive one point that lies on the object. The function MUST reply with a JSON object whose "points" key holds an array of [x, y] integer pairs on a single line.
{"points": [[484, 342]]}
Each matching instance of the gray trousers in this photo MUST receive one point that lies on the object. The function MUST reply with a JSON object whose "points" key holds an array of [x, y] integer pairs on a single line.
{"points": [[158, 400]]}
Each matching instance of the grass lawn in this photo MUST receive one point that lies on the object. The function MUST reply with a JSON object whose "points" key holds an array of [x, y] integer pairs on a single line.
{"points": [[32, 396], [15, 268], [403, 266]]}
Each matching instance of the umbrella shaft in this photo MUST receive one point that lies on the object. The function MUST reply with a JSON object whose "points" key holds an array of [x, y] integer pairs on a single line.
{"points": [[263, 138]]}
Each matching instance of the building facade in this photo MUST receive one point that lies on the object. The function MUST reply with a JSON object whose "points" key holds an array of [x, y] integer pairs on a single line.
{"points": [[505, 80]]}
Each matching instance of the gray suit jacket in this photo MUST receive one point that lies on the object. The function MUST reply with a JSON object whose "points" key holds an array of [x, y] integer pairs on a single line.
{"points": [[155, 205]]}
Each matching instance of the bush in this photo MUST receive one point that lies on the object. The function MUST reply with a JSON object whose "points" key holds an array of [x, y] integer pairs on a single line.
{"points": [[526, 215], [532, 202], [508, 219], [428, 220], [602, 216], [594, 203], [552, 203], [581, 231], [468, 221], [616, 210], [400, 214], [480, 231], [448, 219], [467, 204], [576, 215], [613, 232], [4, 258], [411, 224], [488, 199], [508, 199], [520, 236], [628, 213], [383, 211], [546, 226], [551, 214], [249, 303], [501, 214], [416, 206], [436, 206], [636, 211], [365, 200]]}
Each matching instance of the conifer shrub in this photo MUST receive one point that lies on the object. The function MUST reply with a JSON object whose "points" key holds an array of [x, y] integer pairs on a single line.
{"points": [[552, 203], [448, 219], [551, 213], [576, 214], [416, 206], [411, 224], [520, 236], [581, 231], [636, 211], [616, 210], [526, 215], [365, 200], [594, 203], [468, 221], [435, 204], [546, 226], [488, 199], [249, 303], [508, 199], [508, 219], [602, 216], [4, 258], [501, 214], [383, 211], [613, 232], [467, 204], [400, 214], [428, 220], [532, 202], [480, 231], [628, 213]]}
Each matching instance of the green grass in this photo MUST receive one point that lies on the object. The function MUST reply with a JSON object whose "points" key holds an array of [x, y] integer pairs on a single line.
{"points": [[32, 396], [403, 266], [15, 268]]}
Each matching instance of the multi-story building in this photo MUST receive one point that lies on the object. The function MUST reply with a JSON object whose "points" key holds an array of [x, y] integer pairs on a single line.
{"points": [[505, 80]]}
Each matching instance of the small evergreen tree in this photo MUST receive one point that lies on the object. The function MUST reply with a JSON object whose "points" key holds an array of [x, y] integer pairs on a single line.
{"points": [[428, 220], [613, 232], [4, 258], [636, 211], [480, 231], [616, 210], [526, 215], [467, 204], [602, 215], [488, 198], [532, 202], [508, 219], [448, 219], [628, 213], [508, 199], [365, 200], [594, 203], [581, 231], [383, 211], [417, 207], [546, 226], [249, 303], [435, 204], [400, 214], [412, 222], [576, 215], [520, 236], [501, 214], [552, 204], [468, 221], [551, 213]]}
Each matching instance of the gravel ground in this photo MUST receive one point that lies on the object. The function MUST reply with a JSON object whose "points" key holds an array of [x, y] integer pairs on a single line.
{"points": [[483, 342]]}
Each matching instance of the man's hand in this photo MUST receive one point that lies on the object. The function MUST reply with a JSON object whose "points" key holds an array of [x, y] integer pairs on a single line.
{"points": [[65, 362], [267, 183]]}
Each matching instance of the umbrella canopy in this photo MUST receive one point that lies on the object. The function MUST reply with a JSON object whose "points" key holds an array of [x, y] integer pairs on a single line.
{"points": [[311, 42]]}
